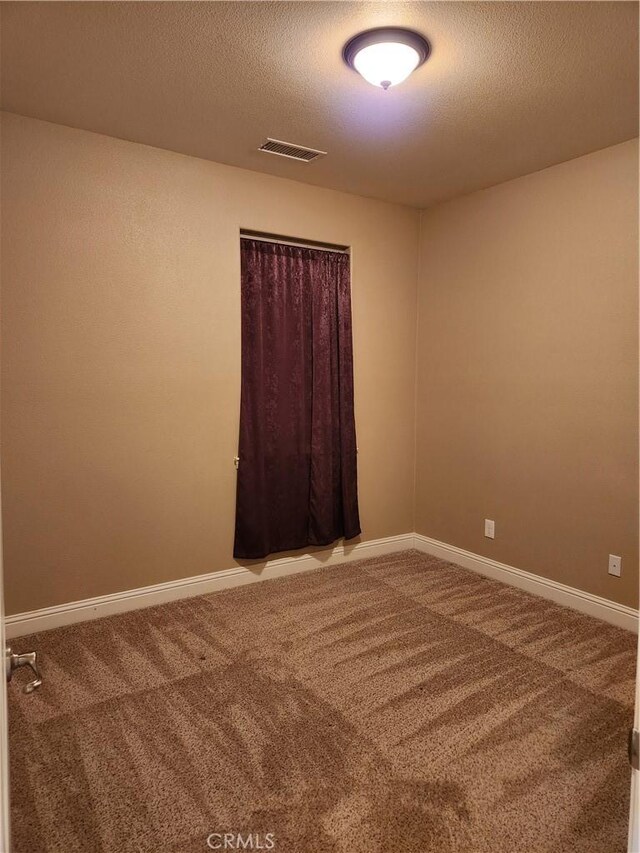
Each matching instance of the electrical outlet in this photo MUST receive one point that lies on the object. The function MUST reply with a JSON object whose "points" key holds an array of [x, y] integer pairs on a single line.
{"points": [[489, 528], [615, 565]]}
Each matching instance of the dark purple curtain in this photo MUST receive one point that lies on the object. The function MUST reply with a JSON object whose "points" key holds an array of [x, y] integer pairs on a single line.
{"points": [[297, 481]]}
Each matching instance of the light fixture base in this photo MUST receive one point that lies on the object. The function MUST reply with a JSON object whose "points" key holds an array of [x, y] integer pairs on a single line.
{"points": [[402, 35]]}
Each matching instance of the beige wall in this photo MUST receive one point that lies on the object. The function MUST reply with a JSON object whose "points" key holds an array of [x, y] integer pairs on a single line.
{"points": [[121, 356], [121, 362], [527, 372]]}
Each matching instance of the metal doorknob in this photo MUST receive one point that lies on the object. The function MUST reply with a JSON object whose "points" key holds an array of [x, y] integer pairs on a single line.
{"points": [[29, 659]]}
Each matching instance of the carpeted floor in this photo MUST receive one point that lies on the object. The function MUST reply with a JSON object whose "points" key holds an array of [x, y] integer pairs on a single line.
{"points": [[386, 706]]}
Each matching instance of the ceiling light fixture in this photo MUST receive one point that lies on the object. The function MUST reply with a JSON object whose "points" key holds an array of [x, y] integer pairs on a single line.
{"points": [[387, 55]]}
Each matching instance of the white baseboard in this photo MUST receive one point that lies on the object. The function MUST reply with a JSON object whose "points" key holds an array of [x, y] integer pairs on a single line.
{"points": [[20, 624], [569, 596]]}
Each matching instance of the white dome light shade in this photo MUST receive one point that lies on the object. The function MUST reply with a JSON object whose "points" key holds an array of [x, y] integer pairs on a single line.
{"points": [[387, 63], [386, 56]]}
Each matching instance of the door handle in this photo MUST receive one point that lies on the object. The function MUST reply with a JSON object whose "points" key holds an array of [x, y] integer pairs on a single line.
{"points": [[29, 659]]}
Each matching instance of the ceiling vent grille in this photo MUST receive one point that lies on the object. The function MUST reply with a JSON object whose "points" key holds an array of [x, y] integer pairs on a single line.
{"points": [[293, 152]]}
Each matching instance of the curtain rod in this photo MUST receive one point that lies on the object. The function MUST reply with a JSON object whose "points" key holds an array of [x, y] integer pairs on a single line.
{"points": [[285, 241]]}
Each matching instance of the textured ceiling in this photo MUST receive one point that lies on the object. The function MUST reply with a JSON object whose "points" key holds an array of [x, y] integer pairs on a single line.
{"points": [[510, 87]]}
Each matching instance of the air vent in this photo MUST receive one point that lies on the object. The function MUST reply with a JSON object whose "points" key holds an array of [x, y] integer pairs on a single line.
{"points": [[287, 149]]}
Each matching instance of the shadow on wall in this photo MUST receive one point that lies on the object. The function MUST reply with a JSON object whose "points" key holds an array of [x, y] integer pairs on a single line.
{"points": [[322, 553]]}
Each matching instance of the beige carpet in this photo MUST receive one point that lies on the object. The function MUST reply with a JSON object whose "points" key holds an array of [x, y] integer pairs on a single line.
{"points": [[395, 704]]}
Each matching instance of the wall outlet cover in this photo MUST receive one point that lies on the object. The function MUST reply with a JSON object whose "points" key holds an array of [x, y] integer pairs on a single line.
{"points": [[615, 565]]}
